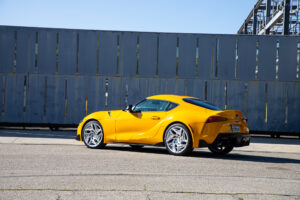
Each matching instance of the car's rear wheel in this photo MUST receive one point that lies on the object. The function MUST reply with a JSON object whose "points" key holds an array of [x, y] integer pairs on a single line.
{"points": [[92, 134], [178, 140], [220, 150]]}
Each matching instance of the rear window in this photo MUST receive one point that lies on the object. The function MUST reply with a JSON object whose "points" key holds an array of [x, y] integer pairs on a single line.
{"points": [[201, 103]]}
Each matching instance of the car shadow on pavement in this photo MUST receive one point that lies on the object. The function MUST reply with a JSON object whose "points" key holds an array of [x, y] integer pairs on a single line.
{"points": [[243, 156], [202, 154], [247, 157]]}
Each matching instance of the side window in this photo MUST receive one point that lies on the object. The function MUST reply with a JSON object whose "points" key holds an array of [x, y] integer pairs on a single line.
{"points": [[151, 105], [171, 106]]}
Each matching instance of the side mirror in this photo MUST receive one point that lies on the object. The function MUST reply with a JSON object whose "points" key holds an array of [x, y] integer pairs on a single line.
{"points": [[130, 109]]}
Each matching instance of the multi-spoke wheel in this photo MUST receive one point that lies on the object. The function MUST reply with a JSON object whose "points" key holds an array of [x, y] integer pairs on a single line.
{"points": [[178, 140], [92, 134], [220, 150]]}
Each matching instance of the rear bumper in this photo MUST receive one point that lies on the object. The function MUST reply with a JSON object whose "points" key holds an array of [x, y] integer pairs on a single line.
{"points": [[229, 139], [232, 139]]}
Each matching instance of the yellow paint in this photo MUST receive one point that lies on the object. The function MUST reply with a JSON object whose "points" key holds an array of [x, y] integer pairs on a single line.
{"points": [[149, 127]]}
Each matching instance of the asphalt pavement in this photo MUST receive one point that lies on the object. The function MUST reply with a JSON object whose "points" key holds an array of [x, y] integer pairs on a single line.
{"points": [[53, 165]]}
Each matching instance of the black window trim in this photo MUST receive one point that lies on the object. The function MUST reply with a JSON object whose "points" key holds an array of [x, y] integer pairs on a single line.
{"points": [[169, 102]]}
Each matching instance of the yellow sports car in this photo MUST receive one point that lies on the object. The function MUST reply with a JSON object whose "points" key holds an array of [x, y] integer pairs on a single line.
{"points": [[180, 123]]}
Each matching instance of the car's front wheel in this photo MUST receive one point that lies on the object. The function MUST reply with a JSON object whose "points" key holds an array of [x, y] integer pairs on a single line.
{"points": [[178, 140], [92, 135], [220, 150]]}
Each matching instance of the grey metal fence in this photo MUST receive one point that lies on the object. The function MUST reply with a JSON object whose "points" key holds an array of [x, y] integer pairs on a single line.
{"points": [[57, 76]]}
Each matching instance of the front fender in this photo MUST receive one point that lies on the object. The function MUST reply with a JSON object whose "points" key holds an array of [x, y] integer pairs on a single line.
{"points": [[104, 119], [81, 124]]}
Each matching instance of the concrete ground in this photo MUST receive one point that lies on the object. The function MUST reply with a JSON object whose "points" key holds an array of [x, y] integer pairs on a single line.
{"points": [[52, 165]]}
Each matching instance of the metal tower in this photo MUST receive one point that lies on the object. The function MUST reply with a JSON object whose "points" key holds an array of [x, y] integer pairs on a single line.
{"points": [[273, 17]]}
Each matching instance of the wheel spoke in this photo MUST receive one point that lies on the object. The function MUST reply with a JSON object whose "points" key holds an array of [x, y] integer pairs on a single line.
{"points": [[90, 139], [88, 130], [179, 147], [93, 127], [183, 142], [99, 137], [181, 132], [173, 147], [87, 139], [97, 129], [178, 131], [95, 140], [170, 137], [173, 131]]}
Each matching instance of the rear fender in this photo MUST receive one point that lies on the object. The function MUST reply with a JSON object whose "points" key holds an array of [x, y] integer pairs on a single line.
{"points": [[166, 125], [213, 129]]}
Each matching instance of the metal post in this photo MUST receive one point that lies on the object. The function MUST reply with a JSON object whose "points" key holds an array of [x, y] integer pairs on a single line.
{"points": [[245, 28], [286, 17], [297, 17], [268, 13], [254, 21]]}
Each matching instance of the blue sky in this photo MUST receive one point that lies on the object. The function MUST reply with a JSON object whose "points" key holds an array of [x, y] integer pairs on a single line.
{"points": [[187, 16]]}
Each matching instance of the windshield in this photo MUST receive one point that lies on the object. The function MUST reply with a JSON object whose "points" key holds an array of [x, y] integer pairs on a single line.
{"points": [[201, 103]]}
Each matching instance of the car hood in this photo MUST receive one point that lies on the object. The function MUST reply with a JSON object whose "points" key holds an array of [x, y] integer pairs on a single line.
{"points": [[104, 114]]}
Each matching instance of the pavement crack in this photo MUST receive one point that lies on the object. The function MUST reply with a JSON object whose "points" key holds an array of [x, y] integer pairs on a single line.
{"points": [[150, 191], [145, 175], [58, 197], [148, 197]]}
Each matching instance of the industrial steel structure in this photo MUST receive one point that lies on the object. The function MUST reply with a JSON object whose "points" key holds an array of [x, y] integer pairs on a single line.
{"points": [[273, 17]]}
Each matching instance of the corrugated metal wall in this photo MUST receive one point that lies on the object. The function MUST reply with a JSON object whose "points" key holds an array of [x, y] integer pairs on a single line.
{"points": [[57, 76]]}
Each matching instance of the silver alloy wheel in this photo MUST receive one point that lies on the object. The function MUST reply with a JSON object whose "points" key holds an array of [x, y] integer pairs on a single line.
{"points": [[93, 134], [177, 139]]}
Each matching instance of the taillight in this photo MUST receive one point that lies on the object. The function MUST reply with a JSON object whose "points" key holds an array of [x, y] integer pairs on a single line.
{"points": [[215, 119]]}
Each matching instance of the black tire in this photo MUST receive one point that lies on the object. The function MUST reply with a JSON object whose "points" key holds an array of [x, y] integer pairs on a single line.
{"points": [[93, 135], [220, 150], [178, 133], [136, 146]]}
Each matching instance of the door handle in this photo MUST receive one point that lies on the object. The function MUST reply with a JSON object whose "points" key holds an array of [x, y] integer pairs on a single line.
{"points": [[155, 117]]}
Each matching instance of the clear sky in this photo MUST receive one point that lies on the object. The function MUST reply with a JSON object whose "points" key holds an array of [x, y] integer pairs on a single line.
{"points": [[187, 16]]}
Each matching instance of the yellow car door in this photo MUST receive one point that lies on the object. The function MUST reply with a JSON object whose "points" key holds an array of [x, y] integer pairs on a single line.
{"points": [[142, 122], [127, 124], [151, 123]]}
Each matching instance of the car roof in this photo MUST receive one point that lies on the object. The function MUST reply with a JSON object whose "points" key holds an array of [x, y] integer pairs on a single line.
{"points": [[170, 97]]}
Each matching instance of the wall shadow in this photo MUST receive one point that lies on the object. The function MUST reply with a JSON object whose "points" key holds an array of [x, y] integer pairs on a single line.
{"points": [[38, 134]]}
